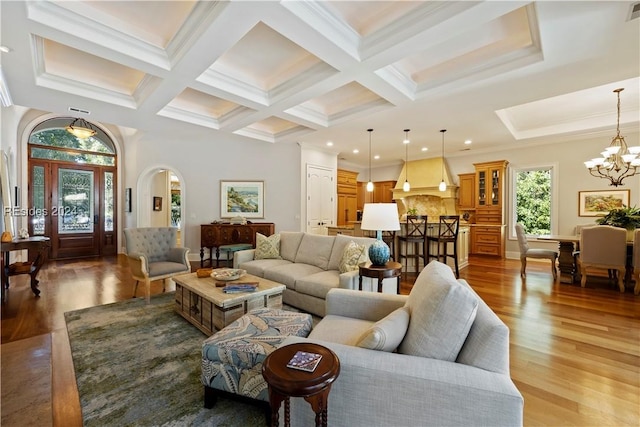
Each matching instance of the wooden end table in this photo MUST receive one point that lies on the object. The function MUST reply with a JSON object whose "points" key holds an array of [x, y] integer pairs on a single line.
{"points": [[286, 382], [381, 272]]}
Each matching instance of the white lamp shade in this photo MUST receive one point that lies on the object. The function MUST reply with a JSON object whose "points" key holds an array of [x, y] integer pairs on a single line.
{"points": [[380, 216]]}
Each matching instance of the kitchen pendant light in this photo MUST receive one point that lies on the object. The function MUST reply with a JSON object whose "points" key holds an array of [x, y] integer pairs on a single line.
{"points": [[406, 186], [442, 186], [370, 183]]}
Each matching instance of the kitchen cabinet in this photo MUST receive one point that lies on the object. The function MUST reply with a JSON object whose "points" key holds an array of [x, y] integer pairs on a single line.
{"points": [[347, 193], [382, 193], [467, 191], [488, 232]]}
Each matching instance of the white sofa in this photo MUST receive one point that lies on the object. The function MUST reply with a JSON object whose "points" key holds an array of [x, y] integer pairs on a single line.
{"points": [[445, 371], [308, 267]]}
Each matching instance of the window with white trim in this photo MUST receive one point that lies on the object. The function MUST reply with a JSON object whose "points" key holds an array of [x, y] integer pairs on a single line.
{"points": [[533, 199]]}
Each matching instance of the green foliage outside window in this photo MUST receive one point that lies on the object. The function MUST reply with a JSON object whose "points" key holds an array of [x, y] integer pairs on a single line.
{"points": [[533, 201]]}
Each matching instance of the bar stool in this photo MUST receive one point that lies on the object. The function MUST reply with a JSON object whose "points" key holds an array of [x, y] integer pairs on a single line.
{"points": [[416, 234], [447, 233]]}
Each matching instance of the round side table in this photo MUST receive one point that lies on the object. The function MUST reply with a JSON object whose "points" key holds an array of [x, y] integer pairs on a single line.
{"points": [[285, 382], [380, 272]]}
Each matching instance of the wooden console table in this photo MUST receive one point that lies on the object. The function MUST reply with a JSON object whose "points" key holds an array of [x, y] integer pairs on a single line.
{"points": [[216, 235], [38, 248]]}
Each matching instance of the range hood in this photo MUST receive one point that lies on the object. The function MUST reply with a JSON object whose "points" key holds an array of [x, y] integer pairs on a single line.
{"points": [[425, 176]]}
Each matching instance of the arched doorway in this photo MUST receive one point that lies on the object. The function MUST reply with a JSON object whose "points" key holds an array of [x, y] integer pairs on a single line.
{"points": [[72, 189], [161, 196]]}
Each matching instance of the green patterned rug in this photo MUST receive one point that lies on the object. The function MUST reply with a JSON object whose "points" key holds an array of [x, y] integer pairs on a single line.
{"points": [[139, 364]]}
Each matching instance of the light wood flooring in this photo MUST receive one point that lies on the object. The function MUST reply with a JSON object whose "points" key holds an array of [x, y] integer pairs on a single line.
{"points": [[575, 353]]}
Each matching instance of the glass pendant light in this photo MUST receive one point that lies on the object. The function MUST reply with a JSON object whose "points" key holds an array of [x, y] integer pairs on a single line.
{"points": [[370, 183], [442, 186], [406, 186]]}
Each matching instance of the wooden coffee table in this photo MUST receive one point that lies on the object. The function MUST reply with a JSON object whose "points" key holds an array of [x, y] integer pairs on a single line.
{"points": [[314, 386], [208, 308]]}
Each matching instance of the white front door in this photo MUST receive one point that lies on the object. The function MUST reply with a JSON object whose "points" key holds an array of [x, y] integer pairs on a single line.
{"points": [[320, 199]]}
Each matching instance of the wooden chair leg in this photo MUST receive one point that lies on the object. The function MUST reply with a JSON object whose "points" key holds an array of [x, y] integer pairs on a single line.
{"points": [[553, 269], [164, 285], [135, 289], [621, 274], [523, 266], [636, 290]]}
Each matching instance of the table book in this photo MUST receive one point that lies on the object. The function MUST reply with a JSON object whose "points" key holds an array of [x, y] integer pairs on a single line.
{"points": [[304, 361]]}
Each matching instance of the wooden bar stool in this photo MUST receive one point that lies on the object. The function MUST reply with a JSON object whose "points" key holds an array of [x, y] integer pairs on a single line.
{"points": [[416, 234], [447, 233]]}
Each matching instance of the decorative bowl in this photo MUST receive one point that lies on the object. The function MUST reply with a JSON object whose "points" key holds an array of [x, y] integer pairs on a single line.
{"points": [[228, 274]]}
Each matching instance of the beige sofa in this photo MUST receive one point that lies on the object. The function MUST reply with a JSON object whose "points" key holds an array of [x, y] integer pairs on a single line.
{"points": [[308, 267], [438, 357]]}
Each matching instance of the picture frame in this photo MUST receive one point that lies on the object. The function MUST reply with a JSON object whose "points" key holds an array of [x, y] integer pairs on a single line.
{"points": [[600, 202], [127, 199], [157, 203], [242, 198]]}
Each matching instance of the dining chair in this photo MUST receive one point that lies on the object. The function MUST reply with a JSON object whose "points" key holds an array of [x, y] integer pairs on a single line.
{"points": [[415, 233], [448, 227], [527, 252], [153, 254], [603, 247], [636, 260]]}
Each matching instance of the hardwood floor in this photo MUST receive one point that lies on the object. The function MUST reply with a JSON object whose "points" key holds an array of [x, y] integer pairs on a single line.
{"points": [[575, 353]]}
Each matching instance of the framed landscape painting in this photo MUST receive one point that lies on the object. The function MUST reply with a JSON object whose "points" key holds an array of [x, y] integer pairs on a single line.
{"points": [[599, 203], [242, 198]]}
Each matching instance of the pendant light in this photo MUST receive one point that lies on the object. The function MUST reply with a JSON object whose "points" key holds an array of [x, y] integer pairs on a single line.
{"points": [[442, 186], [81, 129], [370, 183], [406, 186]]}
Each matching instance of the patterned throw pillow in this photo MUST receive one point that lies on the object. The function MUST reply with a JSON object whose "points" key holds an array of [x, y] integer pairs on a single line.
{"points": [[267, 247], [387, 333], [352, 255]]}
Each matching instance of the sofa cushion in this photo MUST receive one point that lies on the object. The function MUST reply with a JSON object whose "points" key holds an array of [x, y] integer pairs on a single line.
{"points": [[315, 250], [339, 329], [267, 247], [340, 243], [257, 267], [387, 333], [288, 273], [289, 243], [318, 284], [352, 255], [487, 345], [442, 311]]}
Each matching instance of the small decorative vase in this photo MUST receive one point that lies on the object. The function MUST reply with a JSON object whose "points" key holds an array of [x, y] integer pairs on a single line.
{"points": [[379, 252]]}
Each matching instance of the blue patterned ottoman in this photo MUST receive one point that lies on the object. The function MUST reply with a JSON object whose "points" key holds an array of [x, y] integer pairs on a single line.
{"points": [[232, 357]]}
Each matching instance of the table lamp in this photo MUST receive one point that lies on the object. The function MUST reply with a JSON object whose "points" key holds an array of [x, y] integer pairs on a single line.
{"points": [[380, 217]]}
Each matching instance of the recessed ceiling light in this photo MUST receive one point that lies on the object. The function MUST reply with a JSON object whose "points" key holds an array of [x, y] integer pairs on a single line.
{"points": [[5, 49], [356, 151], [329, 144], [376, 156], [424, 149], [467, 142]]}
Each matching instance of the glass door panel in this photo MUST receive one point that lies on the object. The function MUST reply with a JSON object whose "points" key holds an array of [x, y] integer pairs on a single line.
{"points": [[75, 208], [39, 212]]}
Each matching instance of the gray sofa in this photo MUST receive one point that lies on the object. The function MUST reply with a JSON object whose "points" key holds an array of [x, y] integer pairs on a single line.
{"points": [[440, 374], [308, 267]]}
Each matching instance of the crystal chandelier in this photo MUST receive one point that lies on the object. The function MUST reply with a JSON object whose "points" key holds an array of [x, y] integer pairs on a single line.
{"points": [[618, 161]]}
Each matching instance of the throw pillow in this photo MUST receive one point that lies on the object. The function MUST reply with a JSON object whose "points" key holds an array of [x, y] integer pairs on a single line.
{"points": [[352, 255], [442, 311], [267, 247], [386, 334]]}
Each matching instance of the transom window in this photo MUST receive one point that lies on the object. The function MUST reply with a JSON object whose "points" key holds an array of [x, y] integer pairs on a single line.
{"points": [[51, 141]]}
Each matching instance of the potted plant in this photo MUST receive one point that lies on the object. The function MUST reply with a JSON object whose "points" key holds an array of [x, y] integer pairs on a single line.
{"points": [[624, 217]]}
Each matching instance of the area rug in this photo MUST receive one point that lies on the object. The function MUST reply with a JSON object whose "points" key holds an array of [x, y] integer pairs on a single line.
{"points": [[139, 364]]}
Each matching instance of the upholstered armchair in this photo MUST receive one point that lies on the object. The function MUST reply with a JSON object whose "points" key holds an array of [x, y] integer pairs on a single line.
{"points": [[153, 254], [527, 252], [603, 247]]}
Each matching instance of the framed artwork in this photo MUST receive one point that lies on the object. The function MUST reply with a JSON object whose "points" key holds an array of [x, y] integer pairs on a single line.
{"points": [[599, 203], [157, 203], [242, 198], [127, 199]]}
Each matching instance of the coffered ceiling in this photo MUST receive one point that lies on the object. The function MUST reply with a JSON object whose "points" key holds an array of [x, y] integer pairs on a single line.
{"points": [[501, 74]]}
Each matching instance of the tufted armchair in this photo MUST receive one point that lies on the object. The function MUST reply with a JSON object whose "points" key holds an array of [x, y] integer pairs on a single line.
{"points": [[153, 255]]}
